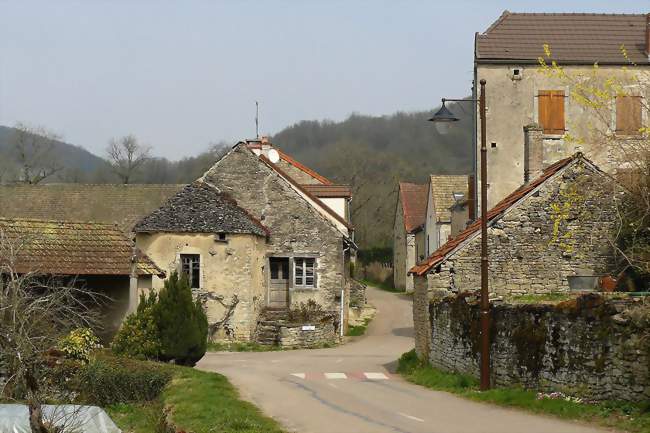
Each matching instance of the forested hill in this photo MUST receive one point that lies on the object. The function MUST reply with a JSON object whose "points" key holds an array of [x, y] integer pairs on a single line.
{"points": [[373, 154]]}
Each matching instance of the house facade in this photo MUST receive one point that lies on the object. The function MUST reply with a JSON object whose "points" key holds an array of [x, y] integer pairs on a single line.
{"points": [[551, 235], [444, 191], [408, 232], [520, 93]]}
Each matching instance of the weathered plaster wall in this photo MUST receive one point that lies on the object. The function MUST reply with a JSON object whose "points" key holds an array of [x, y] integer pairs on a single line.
{"points": [[512, 104], [560, 231], [589, 347], [297, 229], [233, 267]]}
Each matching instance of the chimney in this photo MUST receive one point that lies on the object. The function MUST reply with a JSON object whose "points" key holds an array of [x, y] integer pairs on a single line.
{"points": [[647, 36], [533, 152]]}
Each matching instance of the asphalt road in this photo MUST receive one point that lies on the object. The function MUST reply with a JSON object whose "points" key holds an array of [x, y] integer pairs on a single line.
{"points": [[352, 388]]}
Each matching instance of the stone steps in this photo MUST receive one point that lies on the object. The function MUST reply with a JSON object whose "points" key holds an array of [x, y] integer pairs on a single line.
{"points": [[268, 326]]}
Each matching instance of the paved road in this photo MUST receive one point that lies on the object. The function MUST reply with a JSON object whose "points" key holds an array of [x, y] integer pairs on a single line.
{"points": [[359, 394]]}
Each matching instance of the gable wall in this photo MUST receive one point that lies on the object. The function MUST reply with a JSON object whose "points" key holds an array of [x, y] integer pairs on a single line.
{"points": [[559, 232], [297, 229], [399, 247]]}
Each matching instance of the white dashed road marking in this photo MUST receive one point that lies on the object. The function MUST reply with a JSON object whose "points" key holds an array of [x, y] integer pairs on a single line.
{"points": [[335, 376], [410, 417], [299, 375], [376, 376]]}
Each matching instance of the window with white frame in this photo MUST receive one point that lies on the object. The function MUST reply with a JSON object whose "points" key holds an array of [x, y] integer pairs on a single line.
{"points": [[191, 267], [304, 272]]}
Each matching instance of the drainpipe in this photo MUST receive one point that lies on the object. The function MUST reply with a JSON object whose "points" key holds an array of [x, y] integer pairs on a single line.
{"points": [[343, 291]]}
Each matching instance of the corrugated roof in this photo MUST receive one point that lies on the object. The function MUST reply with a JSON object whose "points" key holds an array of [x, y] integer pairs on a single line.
{"points": [[73, 248], [443, 186], [123, 205], [573, 38], [329, 191], [200, 208], [414, 204], [493, 214]]}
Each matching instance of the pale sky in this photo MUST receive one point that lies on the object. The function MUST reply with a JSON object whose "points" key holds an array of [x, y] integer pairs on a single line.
{"points": [[180, 74]]}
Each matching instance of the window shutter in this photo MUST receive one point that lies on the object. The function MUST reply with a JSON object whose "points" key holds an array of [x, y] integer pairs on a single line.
{"points": [[628, 115], [550, 105]]}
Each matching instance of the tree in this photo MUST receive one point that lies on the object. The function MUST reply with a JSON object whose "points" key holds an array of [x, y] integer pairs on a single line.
{"points": [[623, 141], [35, 312], [33, 148], [127, 156], [182, 323]]}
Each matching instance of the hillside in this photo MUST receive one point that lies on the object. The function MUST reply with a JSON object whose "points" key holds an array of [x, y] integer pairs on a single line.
{"points": [[373, 154]]}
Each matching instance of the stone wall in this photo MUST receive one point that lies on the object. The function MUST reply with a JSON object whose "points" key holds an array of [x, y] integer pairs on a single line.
{"points": [[400, 262], [561, 230], [357, 293], [589, 346], [301, 336], [297, 228]]}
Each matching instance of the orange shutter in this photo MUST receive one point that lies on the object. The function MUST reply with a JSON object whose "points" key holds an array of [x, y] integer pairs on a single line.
{"points": [[550, 105], [628, 115]]}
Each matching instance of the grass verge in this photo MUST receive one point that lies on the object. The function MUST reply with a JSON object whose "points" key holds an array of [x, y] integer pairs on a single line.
{"points": [[195, 401], [621, 415], [358, 330], [386, 286], [241, 347]]}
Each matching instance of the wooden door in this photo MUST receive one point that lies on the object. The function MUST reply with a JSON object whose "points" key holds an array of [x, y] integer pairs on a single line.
{"points": [[278, 282]]}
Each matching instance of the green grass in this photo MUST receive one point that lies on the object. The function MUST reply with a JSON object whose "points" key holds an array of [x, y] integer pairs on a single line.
{"points": [[195, 401], [545, 297], [621, 415], [358, 330], [241, 347], [387, 286]]}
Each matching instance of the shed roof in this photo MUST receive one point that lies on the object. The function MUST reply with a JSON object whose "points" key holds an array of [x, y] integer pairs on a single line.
{"points": [[200, 208], [72, 248], [329, 191], [441, 254], [123, 205], [414, 205], [443, 187], [580, 38]]}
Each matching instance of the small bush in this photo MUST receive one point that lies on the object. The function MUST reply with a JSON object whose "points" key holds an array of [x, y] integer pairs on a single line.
{"points": [[78, 344], [139, 337], [107, 381], [182, 323], [309, 311]]}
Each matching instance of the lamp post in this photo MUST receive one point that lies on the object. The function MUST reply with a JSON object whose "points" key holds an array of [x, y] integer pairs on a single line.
{"points": [[443, 119]]}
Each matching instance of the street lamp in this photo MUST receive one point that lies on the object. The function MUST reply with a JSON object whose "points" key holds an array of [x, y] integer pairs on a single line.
{"points": [[443, 119]]}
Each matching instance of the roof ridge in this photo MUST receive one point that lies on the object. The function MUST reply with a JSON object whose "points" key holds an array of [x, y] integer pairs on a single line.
{"points": [[60, 221]]}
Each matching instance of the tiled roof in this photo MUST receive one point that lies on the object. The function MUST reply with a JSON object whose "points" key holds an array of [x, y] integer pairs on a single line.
{"points": [[443, 186], [573, 38], [493, 214], [123, 205], [329, 191], [322, 179], [200, 208], [414, 204], [72, 248]]}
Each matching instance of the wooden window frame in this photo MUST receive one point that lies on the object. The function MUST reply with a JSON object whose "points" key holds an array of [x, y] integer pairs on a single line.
{"points": [[194, 262], [299, 265]]}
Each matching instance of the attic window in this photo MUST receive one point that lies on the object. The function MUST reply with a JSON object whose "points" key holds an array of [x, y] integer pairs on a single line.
{"points": [[494, 145], [220, 237]]}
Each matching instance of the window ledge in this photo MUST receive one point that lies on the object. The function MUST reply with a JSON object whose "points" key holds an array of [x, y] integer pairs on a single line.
{"points": [[553, 136]]}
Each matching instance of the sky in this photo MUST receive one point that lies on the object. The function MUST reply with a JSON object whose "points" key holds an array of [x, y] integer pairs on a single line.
{"points": [[182, 74]]}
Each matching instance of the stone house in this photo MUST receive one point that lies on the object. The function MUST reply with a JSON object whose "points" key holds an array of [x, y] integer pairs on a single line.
{"points": [[550, 235], [408, 232], [254, 233], [96, 256], [443, 192], [507, 56]]}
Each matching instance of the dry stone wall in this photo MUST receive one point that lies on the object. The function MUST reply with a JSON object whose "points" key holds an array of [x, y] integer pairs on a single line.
{"points": [[307, 336], [589, 346]]}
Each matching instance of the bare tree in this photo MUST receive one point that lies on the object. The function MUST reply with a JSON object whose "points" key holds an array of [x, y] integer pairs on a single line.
{"points": [[34, 151], [127, 156], [35, 312]]}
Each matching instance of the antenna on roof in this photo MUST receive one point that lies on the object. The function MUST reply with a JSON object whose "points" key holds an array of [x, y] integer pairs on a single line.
{"points": [[257, 119]]}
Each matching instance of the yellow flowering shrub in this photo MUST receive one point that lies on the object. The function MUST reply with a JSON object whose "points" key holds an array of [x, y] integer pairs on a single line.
{"points": [[78, 344]]}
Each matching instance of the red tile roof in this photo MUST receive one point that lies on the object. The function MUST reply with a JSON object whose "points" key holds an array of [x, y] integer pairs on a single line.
{"points": [[303, 168], [496, 212], [72, 248], [414, 205], [329, 191], [573, 38]]}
